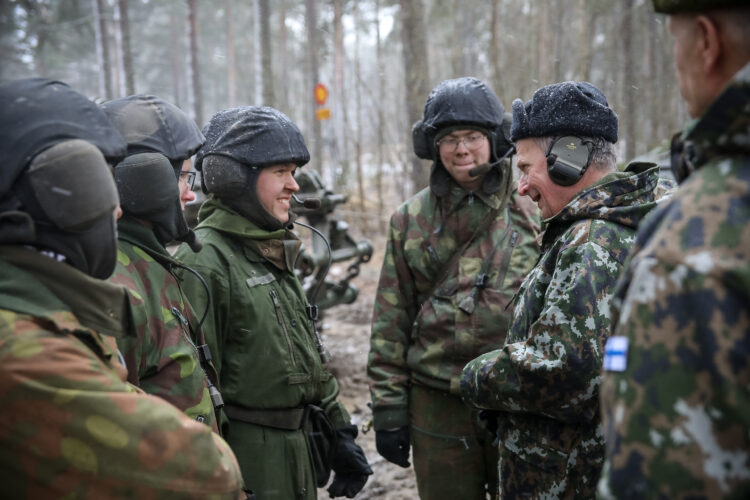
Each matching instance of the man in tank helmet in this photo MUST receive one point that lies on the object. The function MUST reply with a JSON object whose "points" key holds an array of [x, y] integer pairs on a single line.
{"points": [[282, 415], [456, 253]]}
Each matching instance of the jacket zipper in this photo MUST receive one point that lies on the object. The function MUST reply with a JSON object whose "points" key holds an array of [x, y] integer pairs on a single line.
{"points": [[280, 319]]}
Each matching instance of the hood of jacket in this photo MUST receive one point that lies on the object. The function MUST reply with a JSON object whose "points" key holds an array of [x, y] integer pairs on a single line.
{"points": [[621, 197]]}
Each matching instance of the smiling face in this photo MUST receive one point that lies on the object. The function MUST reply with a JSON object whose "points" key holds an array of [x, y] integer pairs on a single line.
{"points": [[458, 158], [275, 187], [536, 183]]}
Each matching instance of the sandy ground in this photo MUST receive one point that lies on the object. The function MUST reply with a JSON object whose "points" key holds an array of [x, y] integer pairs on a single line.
{"points": [[346, 331]]}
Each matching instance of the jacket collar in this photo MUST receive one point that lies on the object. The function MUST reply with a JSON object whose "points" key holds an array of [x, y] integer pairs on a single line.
{"points": [[96, 304], [723, 129]]}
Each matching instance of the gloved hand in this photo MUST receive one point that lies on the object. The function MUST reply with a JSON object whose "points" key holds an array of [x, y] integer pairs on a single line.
{"points": [[393, 445], [349, 464]]}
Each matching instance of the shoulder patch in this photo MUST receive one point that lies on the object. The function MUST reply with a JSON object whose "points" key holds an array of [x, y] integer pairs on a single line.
{"points": [[616, 354]]}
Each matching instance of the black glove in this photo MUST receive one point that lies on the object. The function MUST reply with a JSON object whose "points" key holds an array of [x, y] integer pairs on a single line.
{"points": [[393, 445], [349, 464]]}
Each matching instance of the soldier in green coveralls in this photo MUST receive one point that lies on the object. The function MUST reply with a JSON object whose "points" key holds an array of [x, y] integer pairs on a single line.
{"points": [[70, 425], [676, 389], [259, 329], [163, 359], [457, 251]]}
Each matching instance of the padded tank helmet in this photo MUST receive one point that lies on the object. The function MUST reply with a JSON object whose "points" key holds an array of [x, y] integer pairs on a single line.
{"points": [[462, 103], [240, 142], [56, 188], [149, 124]]}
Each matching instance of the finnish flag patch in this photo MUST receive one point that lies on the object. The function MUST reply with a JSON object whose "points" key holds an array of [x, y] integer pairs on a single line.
{"points": [[616, 354]]}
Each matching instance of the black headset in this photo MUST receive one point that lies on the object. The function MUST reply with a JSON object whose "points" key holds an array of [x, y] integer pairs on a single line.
{"points": [[568, 158]]}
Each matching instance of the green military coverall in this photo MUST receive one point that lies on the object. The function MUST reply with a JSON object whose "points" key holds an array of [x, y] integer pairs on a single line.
{"points": [[264, 349]]}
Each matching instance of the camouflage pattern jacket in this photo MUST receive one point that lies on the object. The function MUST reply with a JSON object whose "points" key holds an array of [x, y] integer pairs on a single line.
{"points": [[545, 380], [677, 411], [70, 425], [161, 358], [258, 330], [420, 335]]}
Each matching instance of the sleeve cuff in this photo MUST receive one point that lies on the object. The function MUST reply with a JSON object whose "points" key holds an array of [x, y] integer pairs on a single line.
{"points": [[390, 418]]}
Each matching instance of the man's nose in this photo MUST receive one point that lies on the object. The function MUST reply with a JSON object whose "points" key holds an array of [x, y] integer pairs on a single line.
{"points": [[523, 185], [291, 184]]}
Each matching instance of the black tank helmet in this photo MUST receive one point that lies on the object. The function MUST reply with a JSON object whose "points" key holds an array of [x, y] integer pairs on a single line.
{"points": [[149, 124], [56, 188], [462, 103], [240, 142]]}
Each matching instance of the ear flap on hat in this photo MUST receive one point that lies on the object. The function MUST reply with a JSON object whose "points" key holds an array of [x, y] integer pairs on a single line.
{"points": [[422, 147], [519, 129]]}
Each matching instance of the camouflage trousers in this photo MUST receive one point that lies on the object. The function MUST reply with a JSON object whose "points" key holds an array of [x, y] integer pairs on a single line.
{"points": [[452, 457], [275, 463]]}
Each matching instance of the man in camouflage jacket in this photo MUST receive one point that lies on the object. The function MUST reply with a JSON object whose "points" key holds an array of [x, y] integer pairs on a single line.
{"points": [[70, 425], [265, 345], [544, 381], [676, 391], [456, 253], [162, 359]]}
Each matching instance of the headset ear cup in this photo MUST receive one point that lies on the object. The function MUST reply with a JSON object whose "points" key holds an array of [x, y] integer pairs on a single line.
{"points": [[567, 160], [421, 142]]}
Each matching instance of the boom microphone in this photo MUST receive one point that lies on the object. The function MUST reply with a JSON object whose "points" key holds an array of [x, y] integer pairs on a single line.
{"points": [[485, 167], [311, 203]]}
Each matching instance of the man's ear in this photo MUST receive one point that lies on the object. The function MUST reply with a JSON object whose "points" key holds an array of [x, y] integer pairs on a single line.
{"points": [[709, 43]]}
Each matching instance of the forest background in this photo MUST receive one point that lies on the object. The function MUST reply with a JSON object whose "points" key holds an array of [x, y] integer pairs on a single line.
{"points": [[378, 60]]}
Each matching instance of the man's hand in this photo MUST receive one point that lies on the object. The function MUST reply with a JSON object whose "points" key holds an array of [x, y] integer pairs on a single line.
{"points": [[393, 445], [349, 465]]}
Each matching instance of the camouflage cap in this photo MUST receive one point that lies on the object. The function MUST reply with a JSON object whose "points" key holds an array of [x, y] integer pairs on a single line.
{"points": [[677, 6]]}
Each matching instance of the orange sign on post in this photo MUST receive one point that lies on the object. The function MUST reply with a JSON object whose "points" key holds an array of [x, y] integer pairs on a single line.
{"points": [[321, 94], [323, 113]]}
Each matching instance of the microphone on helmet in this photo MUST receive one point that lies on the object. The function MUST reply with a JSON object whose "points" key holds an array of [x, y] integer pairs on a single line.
{"points": [[486, 167], [311, 203]]}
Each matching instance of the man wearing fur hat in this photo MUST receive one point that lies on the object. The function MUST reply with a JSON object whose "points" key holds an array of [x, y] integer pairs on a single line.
{"points": [[283, 418], [162, 358], [456, 253], [544, 381], [676, 391]]}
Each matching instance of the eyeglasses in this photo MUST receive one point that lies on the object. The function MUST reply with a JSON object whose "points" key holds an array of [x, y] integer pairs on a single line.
{"points": [[188, 177], [472, 142]]}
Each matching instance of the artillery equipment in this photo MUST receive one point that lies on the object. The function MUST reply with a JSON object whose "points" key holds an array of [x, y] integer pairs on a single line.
{"points": [[316, 204]]}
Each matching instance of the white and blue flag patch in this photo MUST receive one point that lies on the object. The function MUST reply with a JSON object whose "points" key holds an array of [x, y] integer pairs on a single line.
{"points": [[616, 354]]}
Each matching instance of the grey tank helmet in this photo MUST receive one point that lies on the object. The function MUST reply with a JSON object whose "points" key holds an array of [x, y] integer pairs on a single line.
{"points": [[462, 103], [240, 142], [56, 188], [149, 124]]}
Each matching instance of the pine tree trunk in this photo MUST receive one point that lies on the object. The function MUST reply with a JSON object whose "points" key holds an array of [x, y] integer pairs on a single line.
{"points": [[416, 74], [102, 50], [231, 58], [195, 95], [311, 20], [126, 54]]}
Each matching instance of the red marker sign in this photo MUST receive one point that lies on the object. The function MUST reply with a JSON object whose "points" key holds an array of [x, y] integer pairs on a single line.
{"points": [[321, 94]]}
